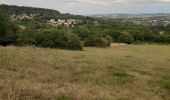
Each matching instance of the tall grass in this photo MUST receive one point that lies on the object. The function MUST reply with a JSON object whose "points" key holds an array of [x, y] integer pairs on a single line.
{"points": [[127, 72]]}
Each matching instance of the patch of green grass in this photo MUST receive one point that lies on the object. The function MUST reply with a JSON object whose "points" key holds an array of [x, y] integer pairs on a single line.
{"points": [[165, 83], [64, 97], [121, 98], [120, 74], [128, 56], [117, 71], [142, 72]]}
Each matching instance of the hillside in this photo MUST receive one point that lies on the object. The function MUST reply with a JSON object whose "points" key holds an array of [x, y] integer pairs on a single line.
{"points": [[42, 12], [131, 15], [49, 28], [135, 72], [150, 19]]}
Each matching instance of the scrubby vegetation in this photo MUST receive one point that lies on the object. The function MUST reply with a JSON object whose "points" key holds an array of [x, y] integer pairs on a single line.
{"points": [[7, 29], [58, 39]]}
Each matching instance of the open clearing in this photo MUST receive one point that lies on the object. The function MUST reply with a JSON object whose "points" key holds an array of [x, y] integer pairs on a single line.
{"points": [[129, 72]]}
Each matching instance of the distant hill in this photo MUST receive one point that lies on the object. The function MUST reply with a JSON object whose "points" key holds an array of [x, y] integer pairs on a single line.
{"points": [[43, 13], [129, 15]]}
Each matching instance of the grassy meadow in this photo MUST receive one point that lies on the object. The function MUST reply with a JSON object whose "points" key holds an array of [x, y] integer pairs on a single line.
{"points": [[121, 72]]}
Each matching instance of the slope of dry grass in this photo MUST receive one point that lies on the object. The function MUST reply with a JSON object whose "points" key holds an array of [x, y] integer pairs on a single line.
{"points": [[135, 72]]}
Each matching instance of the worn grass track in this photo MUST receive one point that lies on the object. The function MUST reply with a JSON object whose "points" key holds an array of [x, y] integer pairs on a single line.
{"points": [[128, 72]]}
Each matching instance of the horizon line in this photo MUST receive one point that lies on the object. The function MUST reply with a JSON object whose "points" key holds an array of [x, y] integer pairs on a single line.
{"points": [[129, 13]]}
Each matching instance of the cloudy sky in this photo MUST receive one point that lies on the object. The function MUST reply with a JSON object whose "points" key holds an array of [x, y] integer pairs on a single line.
{"points": [[97, 6]]}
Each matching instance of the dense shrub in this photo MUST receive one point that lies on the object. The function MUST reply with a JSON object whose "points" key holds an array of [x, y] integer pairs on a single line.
{"points": [[163, 39], [8, 29], [58, 39], [82, 32], [98, 40], [25, 37], [125, 37]]}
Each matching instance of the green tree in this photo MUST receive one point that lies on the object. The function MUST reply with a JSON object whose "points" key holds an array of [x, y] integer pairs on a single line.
{"points": [[98, 40], [125, 37], [8, 29], [26, 37], [54, 38]]}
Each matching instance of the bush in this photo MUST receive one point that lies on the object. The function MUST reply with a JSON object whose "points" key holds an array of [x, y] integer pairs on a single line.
{"points": [[82, 32], [163, 39], [126, 37], [25, 37], [8, 30], [58, 39], [98, 41]]}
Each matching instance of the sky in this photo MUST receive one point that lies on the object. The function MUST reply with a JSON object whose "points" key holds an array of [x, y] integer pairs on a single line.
{"points": [[89, 7]]}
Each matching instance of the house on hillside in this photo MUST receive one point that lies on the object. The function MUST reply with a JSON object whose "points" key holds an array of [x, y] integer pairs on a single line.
{"points": [[63, 22], [23, 16]]}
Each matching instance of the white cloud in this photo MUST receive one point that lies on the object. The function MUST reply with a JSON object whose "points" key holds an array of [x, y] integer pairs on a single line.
{"points": [[109, 2], [97, 6], [95, 2], [165, 1]]}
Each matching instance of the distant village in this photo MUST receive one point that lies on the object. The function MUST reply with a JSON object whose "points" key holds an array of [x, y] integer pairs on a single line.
{"points": [[63, 22], [162, 19], [53, 22], [151, 21], [147, 20], [23, 16]]}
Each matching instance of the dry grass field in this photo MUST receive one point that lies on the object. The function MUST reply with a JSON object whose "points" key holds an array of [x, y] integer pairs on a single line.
{"points": [[125, 72]]}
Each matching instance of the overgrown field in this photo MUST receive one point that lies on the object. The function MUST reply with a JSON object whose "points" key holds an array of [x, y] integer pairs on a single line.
{"points": [[128, 72]]}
